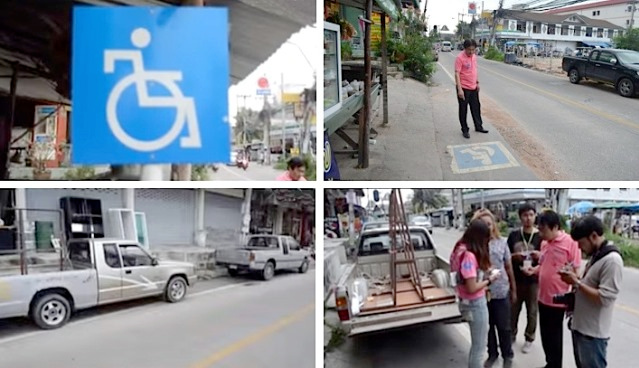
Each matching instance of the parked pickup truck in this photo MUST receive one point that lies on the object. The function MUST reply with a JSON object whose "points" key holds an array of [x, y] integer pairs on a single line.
{"points": [[619, 68], [96, 272], [264, 254], [363, 293]]}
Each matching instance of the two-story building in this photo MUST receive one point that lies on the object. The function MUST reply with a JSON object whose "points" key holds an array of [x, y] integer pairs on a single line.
{"points": [[617, 12], [550, 32]]}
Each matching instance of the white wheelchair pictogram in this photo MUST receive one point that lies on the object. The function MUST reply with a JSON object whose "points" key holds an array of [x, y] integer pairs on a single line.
{"points": [[185, 106]]}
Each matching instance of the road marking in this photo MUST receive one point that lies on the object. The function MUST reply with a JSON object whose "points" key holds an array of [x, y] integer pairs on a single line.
{"points": [[234, 173], [446, 71], [565, 100], [628, 309], [221, 288], [255, 337], [468, 158], [116, 314]]}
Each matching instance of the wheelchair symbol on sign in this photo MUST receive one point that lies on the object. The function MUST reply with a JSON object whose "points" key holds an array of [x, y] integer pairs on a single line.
{"points": [[185, 106]]}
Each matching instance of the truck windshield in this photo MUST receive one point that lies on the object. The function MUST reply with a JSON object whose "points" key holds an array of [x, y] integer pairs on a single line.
{"points": [[628, 57], [379, 243], [262, 242]]}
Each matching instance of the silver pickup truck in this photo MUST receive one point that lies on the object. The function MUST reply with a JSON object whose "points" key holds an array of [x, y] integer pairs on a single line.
{"points": [[264, 254], [363, 293], [95, 272]]}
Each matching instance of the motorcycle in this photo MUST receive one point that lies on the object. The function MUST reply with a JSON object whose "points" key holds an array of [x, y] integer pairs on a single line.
{"points": [[242, 162]]}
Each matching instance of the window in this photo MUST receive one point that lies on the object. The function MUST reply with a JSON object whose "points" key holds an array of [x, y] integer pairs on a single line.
{"points": [[80, 254], [589, 32], [594, 13], [111, 256], [293, 244], [551, 29], [600, 33], [380, 243], [263, 242], [606, 57], [134, 256], [627, 22]]}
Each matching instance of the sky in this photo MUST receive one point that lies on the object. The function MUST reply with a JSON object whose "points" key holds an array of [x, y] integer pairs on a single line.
{"points": [[288, 60]]}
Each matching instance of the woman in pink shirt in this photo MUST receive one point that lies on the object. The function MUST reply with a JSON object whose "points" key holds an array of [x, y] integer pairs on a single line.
{"points": [[472, 281], [558, 250]]}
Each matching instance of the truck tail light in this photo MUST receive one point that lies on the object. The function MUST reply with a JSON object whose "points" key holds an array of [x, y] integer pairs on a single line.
{"points": [[342, 307], [251, 257]]}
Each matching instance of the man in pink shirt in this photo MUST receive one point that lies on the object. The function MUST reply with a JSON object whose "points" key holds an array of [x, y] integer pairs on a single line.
{"points": [[468, 88], [296, 169], [558, 251]]}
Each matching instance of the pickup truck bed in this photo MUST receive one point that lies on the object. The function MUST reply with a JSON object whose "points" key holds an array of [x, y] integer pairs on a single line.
{"points": [[376, 310]]}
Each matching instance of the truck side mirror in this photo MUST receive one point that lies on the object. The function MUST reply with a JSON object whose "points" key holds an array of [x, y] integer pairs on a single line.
{"points": [[613, 61], [154, 262]]}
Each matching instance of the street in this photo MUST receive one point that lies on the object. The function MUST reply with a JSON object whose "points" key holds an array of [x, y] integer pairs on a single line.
{"points": [[225, 322], [255, 171], [588, 130], [541, 127], [438, 345]]}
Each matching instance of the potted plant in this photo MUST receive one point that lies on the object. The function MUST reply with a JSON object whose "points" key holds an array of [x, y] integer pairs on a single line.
{"points": [[39, 152]]}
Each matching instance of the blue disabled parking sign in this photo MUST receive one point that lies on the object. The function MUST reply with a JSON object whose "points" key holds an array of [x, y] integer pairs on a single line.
{"points": [[150, 85]]}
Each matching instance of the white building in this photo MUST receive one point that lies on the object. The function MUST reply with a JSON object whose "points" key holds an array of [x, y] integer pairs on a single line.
{"points": [[510, 199], [617, 12], [551, 32]]}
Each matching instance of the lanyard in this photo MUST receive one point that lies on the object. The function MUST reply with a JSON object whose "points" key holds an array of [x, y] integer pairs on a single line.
{"points": [[523, 238]]}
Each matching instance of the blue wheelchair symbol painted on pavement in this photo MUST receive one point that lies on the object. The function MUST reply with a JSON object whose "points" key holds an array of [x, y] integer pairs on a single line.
{"points": [[150, 85], [480, 157]]}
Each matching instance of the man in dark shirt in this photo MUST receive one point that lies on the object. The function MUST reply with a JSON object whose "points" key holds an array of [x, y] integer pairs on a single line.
{"points": [[523, 242]]}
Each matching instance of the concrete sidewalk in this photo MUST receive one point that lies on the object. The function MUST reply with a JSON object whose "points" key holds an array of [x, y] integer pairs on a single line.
{"points": [[423, 140]]}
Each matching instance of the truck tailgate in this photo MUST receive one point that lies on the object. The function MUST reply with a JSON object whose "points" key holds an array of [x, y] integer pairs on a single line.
{"points": [[233, 256], [391, 320]]}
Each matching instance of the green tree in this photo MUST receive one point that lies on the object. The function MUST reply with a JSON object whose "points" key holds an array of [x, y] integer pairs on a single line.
{"points": [[629, 41], [424, 199], [463, 30]]}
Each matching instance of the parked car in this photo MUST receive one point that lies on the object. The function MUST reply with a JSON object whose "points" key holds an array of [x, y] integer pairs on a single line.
{"points": [[619, 68], [265, 254], [422, 221], [96, 272], [363, 308]]}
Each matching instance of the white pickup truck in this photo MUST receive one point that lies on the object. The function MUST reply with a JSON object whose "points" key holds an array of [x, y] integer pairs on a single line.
{"points": [[95, 272], [363, 293], [264, 254]]}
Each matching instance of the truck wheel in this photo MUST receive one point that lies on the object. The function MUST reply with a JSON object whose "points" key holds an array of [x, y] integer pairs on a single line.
{"points": [[233, 272], [304, 267], [626, 88], [175, 289], [573, 74], [269, 271], [51, 311]]}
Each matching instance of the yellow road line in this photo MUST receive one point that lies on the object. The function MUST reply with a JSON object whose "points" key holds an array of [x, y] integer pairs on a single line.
{"points": [[565, 100], [628, 309], [255, 337]]}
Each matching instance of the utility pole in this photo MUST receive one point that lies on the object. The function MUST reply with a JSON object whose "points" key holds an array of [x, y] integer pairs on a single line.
{"points": [[632, 14], [266, 110], [283, 117], [496, 14]]}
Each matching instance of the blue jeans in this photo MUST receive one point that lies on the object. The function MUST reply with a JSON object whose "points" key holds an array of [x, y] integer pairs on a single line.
{"points": [[476, 313], [590, 352]]}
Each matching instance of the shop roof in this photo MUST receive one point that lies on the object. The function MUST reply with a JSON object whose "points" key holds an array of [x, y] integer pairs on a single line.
{"points": [[600, 4], [557, 19]]}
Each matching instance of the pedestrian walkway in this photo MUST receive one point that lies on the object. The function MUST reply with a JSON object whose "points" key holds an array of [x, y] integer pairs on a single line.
{"points": [[423, 140]]}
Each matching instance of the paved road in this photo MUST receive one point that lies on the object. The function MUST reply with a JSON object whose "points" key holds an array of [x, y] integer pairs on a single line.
{"points": [[223, 323], [447, 346], [588, 129], [255, 171]]}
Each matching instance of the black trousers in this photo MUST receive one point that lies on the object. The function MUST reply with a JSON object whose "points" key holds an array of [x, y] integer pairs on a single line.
{"points": [[499, 325], [471, 97], [551, 329]]}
